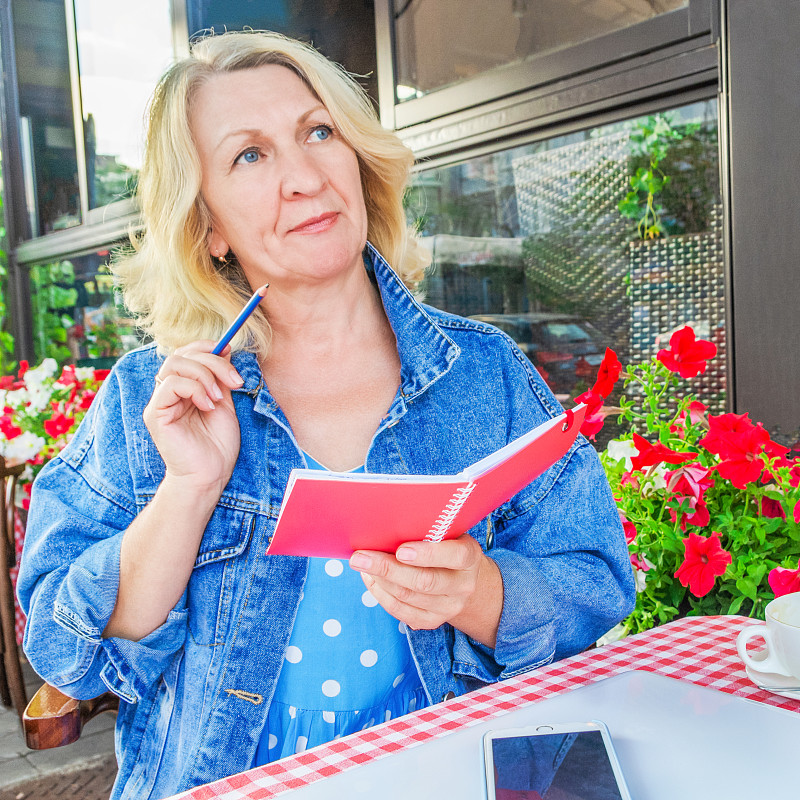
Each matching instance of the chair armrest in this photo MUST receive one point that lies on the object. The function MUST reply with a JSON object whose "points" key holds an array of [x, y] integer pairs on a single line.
{"points": [[52, 719]]}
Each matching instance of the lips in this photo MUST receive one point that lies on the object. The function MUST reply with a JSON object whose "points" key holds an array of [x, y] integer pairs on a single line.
{"points": [[316, 224]]}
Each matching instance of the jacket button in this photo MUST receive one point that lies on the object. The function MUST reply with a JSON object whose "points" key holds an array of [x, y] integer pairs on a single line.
{"points": [[447, 696]]}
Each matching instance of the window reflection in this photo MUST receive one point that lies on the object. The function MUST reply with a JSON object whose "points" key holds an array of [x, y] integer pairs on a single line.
{"points": [[344, 30], [533, 240], [122, 50], [47, 133], [485, 35], [78, 317]]}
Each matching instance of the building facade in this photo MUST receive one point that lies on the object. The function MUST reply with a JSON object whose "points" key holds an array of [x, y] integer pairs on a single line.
{"points": [[590, 173]]}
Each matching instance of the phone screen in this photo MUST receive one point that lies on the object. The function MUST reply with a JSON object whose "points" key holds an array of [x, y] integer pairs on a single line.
{"points": [[556, 766]]}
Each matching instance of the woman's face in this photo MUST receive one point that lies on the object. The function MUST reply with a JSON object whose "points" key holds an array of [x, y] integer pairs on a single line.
{"points": [[282, 186]]}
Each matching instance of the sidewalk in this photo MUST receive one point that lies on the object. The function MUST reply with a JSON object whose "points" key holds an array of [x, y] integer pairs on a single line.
{"points": [[84, 769]]}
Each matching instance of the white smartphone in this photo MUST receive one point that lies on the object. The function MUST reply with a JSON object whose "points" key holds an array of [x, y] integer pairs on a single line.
{"points": [[553, 762]]}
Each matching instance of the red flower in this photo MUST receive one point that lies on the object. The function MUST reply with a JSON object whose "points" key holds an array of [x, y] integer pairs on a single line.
{"points": [[102, 374], [592, 425], [68, 376], [771, 509], [796, 512], [8, 428], [86, 400], [784, 581], [608, 374], [686, 355], [629, 528], [594, 418], [58, 424], [23, 368], [651, 454], [593, 400], [739, 443], [703, 562], [691, 482]]}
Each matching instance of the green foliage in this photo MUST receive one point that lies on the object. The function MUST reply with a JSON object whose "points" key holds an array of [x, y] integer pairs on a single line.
{"points": [[651, 141], [53, 296]]}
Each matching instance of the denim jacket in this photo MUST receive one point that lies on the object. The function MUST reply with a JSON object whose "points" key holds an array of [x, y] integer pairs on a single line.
{"points": [[196, 691]]}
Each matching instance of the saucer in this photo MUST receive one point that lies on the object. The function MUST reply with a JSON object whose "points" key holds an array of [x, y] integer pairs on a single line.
{"points": [[764, 680]]}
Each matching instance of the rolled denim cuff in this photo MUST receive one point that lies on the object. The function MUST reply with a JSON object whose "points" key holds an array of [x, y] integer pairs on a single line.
{"points": [[133, 668], [525, 635]]}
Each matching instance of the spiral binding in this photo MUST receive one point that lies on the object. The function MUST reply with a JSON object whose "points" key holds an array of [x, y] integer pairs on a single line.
{"points": [[449, 512]]}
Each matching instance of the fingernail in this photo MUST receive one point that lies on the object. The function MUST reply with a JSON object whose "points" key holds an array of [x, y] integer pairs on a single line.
{"points": [[406, 554], [360, 561], [209, 405], [236, 378], [216, 392]]}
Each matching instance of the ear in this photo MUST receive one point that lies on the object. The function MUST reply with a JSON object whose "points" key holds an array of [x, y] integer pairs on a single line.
{"points": [[217, 244]]}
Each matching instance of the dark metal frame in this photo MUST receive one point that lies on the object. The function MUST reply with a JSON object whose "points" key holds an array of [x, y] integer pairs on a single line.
{"points": [[696, 23]]}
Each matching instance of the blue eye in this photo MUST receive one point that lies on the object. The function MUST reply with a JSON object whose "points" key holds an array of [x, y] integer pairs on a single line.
{"points": [[248, 156], [321, 133]]}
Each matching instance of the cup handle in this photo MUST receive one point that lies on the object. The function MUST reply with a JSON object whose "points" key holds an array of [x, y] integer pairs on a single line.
{"points": [[768, 664]]}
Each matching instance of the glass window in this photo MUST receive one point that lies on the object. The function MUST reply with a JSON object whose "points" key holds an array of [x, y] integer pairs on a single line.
{"points": [[78, 317], [442, 42], [47, 131], [123, 48], [550, 242], [344, 30]]}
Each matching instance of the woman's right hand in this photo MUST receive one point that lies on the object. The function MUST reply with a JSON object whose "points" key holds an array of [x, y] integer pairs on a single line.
{"points": [[191, 416]]}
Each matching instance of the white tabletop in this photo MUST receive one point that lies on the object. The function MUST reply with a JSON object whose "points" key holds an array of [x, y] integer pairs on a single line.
{"points": [[675, 740]]}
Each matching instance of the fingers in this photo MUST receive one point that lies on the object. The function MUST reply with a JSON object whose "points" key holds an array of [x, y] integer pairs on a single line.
{"points": [[424, 584], [194, 374]]}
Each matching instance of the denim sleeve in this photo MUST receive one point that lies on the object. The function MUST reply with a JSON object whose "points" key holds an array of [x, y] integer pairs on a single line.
{"points": [[82, 503], [567, 577]]}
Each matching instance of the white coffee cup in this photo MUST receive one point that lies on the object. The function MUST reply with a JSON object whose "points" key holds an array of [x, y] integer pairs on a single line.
{"points": [[781, 634]]}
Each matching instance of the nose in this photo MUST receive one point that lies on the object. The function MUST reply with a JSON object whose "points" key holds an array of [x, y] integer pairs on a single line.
{"points": [[301, 174]]}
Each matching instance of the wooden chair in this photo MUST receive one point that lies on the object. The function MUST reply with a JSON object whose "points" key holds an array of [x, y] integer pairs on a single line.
{"points": [[12, 684], [52, 719]]}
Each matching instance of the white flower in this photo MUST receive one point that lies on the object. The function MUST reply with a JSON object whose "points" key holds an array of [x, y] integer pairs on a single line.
{"points": [[23, 447], [35, 376], [84, 373], [614, 635], [618, 449], [640, 577]]}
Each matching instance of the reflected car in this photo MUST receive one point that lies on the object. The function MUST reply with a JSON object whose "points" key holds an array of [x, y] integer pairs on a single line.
{"points": [[565, 349]]}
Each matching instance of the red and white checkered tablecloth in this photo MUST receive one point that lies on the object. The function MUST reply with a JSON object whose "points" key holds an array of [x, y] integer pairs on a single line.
{"points": [[697, 649]]}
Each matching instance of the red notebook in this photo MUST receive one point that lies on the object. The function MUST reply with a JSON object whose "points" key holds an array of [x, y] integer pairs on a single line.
{"points": [[331, 514]]}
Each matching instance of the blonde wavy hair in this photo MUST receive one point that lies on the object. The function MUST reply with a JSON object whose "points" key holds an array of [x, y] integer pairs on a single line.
{"points": [[168, 278]]}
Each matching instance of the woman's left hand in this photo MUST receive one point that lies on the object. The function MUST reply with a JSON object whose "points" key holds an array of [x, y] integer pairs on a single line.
{"points": [[425, 584]]}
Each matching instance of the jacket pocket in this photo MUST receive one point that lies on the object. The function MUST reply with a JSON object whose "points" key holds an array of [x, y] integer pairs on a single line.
{"points": [[217, 572]]}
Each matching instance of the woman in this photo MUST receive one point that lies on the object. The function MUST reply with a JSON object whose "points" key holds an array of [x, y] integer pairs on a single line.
{"points": [[145, 568]]}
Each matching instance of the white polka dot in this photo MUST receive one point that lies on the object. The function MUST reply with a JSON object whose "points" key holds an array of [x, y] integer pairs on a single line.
{"points": [[368, 600], [331, 688], [387, 716], [272, 741], [292, 712], [293, 654], [302, 743], [398, 679], [332, 627], [334, 567], [401, 626], [329, 716], [412, 704], [369, 658]]}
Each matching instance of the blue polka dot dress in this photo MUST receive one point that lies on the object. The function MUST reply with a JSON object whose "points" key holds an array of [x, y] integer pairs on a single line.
{"points": [[348, 665]]}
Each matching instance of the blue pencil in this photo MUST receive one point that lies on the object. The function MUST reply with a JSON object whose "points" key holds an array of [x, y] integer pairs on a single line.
{"points": [[240, 320]]}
